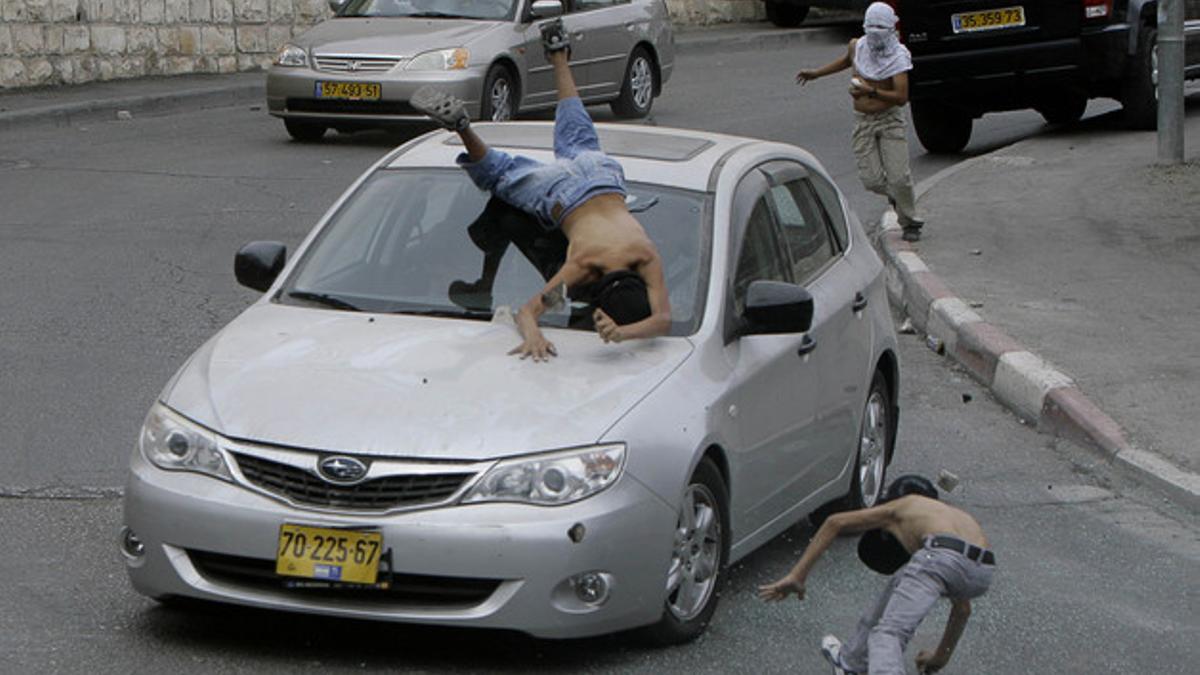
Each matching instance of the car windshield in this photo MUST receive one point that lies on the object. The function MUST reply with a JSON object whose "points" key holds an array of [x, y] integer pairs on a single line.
{"points": [[400, 244], [495, 10]]}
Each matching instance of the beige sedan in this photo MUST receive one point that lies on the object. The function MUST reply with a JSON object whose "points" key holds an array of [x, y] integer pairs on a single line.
{"points": [[359, 68]]}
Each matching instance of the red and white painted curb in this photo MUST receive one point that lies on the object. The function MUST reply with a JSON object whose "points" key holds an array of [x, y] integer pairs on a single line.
{"points": [[1032, 388]]}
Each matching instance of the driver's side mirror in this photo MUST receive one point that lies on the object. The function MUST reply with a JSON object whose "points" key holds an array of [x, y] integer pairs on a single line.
{"points": [[258, 263], [774, 307], [544, 9], [335, 5]]}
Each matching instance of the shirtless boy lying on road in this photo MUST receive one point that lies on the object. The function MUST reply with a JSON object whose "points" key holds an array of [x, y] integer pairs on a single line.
{"points": [[949, 557], [583, 193]]}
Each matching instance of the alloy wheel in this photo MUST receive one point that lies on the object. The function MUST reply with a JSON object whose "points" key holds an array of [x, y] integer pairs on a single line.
{"points": [[872, 449], [641, 82], [500, 97], [696, 554]]}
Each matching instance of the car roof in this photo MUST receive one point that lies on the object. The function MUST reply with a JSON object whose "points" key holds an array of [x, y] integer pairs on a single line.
{"points": [[681, 158]]}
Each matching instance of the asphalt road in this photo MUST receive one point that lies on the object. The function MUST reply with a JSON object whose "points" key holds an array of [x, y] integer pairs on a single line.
{"points": [[116, 248]]}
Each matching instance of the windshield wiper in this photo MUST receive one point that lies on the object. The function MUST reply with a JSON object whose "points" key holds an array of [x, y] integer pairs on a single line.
{"points": [[323, 299], [436, 15], [445, 313]]}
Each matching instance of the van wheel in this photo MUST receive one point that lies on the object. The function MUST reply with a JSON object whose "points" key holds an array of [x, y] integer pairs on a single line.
{"points": [[941, 128], [637, 91], [1139, 90], [697, 559], [786, 14]]}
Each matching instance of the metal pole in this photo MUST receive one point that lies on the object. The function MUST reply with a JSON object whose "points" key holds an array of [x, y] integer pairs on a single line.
{"points": [[1170, 81]]}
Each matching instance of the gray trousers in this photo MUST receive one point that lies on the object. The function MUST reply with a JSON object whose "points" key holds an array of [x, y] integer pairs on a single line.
{"points": [[885, 629], [880, 147]]}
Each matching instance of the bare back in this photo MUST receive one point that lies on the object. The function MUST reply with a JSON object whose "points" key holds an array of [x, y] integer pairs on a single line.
{"points": [[604, 237], [915, 517]]}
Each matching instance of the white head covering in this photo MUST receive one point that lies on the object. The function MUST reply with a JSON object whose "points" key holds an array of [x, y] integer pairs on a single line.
{"points": [[879, 54]]}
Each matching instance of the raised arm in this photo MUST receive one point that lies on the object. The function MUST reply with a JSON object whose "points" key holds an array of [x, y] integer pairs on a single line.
{"points": [[533, 342], [841, 63], [931, 662]]}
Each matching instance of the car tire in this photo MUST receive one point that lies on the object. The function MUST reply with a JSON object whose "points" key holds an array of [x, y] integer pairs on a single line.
{"points": [[697, 559], [639, 86], [876, 438], [876, 441], [786, 14], [499, 100], [1063, 111], [305, 132], [942, 129], [1139, 89]]}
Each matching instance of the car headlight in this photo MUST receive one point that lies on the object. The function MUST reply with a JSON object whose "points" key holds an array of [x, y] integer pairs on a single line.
{"points": [[291, 55], [440, 59], [171, 442], [552, 478]]}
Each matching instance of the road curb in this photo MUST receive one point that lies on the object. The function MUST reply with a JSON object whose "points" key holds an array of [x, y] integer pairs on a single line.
{"points": [[197, 97], [1031, 387]]}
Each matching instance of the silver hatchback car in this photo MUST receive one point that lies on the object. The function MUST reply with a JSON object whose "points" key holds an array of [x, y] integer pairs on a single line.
{"points": [[359, 68], [357, 443]]}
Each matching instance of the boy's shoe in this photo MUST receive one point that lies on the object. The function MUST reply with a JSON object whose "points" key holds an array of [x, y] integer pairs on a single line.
{"points": [[831, 648], [555, 37], [912, 228], [441, 107], [471, 295]]}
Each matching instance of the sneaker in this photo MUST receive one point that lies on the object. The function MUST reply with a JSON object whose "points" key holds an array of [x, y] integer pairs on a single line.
{"points": [[831, 648], [471, 295], [441, 107], [555, 37], [911, 234]]}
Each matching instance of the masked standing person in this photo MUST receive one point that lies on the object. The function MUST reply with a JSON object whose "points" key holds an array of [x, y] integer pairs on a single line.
{"points": [[879, 89]]}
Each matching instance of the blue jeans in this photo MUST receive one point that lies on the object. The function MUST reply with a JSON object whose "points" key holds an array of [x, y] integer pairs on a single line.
{"points": [[579, 172]]}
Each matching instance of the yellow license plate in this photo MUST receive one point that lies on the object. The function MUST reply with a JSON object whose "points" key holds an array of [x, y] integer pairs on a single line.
{"points": [[328, 554], [350, 91], [991, 19]]}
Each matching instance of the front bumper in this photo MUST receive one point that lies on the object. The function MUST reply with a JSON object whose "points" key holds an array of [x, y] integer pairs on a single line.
{"points": [[290, 95], [499, 565]]}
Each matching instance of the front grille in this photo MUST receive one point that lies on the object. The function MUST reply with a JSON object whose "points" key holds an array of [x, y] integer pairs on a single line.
{"points": [[350, 107], [394, 589], [349, 64], [378, 494]]}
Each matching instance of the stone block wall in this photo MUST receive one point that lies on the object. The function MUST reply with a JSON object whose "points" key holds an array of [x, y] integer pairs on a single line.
{"points": [[50, 42], [53, 42]]}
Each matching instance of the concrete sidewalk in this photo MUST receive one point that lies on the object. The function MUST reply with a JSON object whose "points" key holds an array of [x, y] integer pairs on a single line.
{"points": [[1062, 271]]}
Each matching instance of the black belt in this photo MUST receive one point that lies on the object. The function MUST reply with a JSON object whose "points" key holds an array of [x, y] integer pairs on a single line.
{"points": [[971, 551]]}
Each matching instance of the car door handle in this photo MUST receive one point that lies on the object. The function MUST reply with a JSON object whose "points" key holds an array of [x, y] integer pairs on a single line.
{"points": [[806, 346], [860, 302]]}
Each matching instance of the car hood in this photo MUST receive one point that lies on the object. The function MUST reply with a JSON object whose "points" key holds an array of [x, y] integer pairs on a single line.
{"points": [[392, 37], [409, 386]]}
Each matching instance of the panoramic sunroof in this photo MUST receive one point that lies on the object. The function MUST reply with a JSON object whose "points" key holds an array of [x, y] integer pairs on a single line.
{"points": [[621, 142]]}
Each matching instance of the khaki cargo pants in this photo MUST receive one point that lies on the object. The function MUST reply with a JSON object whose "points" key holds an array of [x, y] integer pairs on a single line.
{"points": [[881, 148]]}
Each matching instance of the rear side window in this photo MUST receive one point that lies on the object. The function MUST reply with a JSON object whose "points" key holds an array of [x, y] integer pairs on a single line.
{"points": [[805, 232], [833, 208]]}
